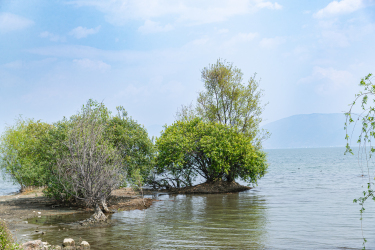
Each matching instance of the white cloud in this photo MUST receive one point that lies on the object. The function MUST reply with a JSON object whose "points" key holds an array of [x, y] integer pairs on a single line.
{"points": [[11, 22], [154, 27], [28, 64], [222, 31], [118, 12], [342, 7], [335, 38], [243, 37], [82, 32], [269, 5], [271, 43], [234, 43], [329, 80], [92, 64], [52, 37]]}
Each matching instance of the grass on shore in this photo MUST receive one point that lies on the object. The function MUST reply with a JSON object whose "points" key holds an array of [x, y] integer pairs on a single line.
{"points": [[6, 238]]}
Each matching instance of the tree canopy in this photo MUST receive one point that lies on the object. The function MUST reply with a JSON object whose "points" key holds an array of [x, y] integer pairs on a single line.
{"points": [[82, 157], [92, 168], [213, 151], [228, 100], [136, 148], [22, 152]]}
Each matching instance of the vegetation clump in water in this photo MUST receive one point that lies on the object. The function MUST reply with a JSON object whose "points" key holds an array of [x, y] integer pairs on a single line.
{"points": [[219, 138]]}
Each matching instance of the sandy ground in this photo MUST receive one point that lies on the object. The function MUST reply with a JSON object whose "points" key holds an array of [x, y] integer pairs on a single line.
{"points": [[17, 209]]}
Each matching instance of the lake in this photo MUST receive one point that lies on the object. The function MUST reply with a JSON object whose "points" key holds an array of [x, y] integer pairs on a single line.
{"points": [[305, 201], [6, 185]]}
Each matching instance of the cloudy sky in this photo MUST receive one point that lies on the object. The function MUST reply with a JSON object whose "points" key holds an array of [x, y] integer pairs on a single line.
{"points": [[146, 55]]}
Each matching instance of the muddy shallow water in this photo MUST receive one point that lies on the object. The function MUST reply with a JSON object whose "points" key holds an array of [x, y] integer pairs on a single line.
{"points": [[304, 202]]}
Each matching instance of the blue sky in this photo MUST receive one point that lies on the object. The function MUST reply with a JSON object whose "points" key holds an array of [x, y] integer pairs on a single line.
{"points": [[147, 55]]}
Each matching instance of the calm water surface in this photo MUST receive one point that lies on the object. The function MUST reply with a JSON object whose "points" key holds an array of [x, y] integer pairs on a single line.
{"points": [[304, 202], [6, 185]]}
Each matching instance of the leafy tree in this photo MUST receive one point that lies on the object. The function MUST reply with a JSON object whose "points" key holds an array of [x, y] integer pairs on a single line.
{"points": [[56, 150], [214, 151], [22, 152], [134, 144], [366, 119], [121, 132], [92, 168], [227, 100]]}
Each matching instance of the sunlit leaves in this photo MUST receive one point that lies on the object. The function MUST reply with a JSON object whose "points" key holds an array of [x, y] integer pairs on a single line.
{"points": [[22, 151], [211, 150]]}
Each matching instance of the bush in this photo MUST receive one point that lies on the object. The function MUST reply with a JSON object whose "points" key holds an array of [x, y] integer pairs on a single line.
{"points": [[214, 151], [6, 239], [22, 152], [136, 148]]}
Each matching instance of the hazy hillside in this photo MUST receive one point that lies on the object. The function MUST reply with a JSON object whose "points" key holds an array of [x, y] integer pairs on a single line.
{"points": [[307, 131]]}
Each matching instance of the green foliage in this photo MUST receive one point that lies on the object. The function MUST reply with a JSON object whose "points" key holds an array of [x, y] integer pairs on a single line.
{"points": [[6, 239], [366, 119], [120, 132], [227, 100], [56, 149], [22, 152], [31, 150], [136, 148], [92, 167], [211, 150]]}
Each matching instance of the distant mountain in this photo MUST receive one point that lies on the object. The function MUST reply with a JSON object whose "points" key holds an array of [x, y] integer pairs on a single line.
{"points": [[307, 131]]}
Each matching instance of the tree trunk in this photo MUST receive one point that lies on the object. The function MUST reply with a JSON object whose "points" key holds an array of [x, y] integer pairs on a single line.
{"points": [[98, 215], [230, 178], [104, 205]]}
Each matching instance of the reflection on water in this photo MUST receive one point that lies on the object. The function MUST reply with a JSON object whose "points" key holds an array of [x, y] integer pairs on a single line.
{"points": [[304, 202], [204, 221]]}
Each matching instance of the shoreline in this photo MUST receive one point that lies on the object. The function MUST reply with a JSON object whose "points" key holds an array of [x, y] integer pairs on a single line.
{"points": [[17, 209], [218, 187]]}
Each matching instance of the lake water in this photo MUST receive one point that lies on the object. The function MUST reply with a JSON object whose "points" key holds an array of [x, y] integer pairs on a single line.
{"points": [[6, 186], [304, 202]]}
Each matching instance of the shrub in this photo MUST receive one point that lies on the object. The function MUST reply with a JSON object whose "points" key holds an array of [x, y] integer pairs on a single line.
{"points": [[214, 151], [6, 239]]}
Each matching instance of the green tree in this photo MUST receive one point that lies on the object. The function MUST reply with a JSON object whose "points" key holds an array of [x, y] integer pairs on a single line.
{"points": [[22, 152], [120, 133], [136, 148], [214, 151], [227, 100], [92, 169]]}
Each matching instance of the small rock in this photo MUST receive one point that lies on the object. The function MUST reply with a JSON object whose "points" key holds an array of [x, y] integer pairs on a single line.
{"points": [[33, 245], [85, 245], [68, 242], [46, 246]]}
